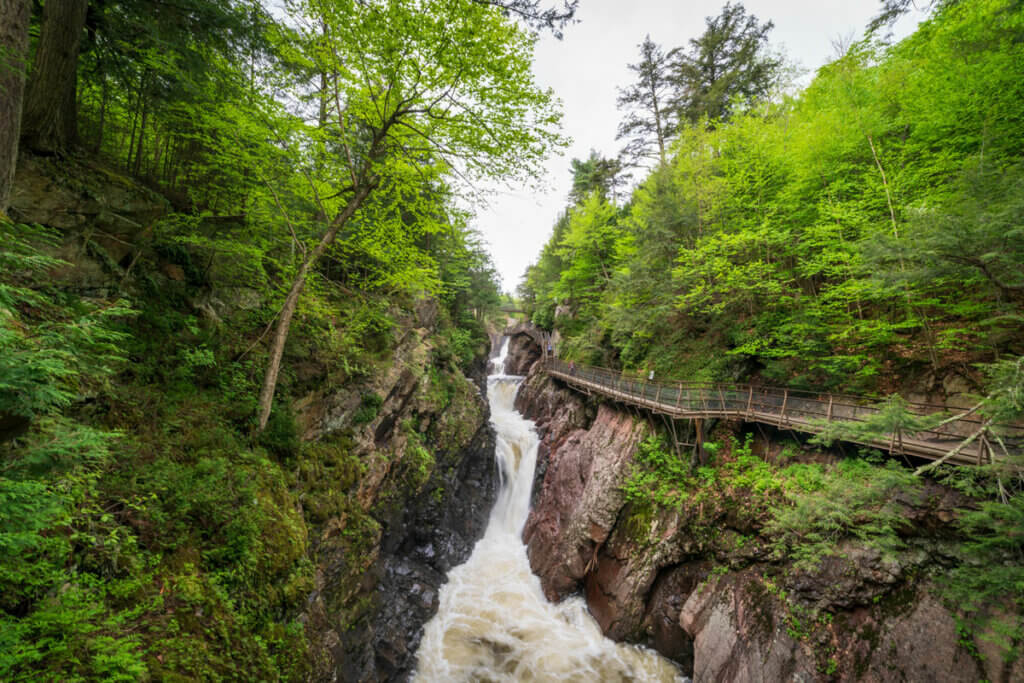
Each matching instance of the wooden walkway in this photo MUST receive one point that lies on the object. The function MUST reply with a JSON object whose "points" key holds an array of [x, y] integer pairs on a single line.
{"points": [[795, 410]]}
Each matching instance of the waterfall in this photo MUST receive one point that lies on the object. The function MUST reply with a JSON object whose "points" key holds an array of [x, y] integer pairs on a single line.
{"points": [[493, 622]]}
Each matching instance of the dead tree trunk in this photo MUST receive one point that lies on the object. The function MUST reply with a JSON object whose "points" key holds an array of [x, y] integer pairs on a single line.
{"points": [[291, 301], [14, 15]]}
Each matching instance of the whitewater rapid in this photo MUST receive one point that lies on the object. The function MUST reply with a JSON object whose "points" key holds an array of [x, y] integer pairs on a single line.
{"points": [[493, 622]]}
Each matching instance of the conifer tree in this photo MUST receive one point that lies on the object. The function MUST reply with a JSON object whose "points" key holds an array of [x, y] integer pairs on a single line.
{"points": [[50, 119], [728, 60], [14, 16], [650, 119]]}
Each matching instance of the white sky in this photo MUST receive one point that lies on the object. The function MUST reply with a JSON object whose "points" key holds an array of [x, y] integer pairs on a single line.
{"points": [[587, 66]]}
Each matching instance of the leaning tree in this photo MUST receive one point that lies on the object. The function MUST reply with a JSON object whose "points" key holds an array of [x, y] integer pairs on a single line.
{"points": [[419, 89]]}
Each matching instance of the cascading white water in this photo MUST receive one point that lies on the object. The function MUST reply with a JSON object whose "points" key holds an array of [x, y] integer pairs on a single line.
{"points": [[493, 622]]}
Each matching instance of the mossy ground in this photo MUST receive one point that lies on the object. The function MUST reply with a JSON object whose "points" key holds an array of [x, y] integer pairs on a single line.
{"points": [[189, 553]]}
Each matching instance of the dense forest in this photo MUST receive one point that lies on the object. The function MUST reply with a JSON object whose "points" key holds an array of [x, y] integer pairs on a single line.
{"points": [[858, 234], [211, 210], [863, 235], [244, 182]]}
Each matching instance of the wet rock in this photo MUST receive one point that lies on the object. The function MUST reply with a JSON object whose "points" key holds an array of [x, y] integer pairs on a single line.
{"points": [[523, 352], [580, 500], [736, 638], [667, 597], [369, 617], [426, 540]]}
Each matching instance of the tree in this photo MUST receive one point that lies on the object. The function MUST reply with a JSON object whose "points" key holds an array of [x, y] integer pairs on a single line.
{"points": [[51, 104], [650, 119], [14, 16], [423, 89], [589, 247], [728, 60], [595, 174], [892, 10], [553, 18]]}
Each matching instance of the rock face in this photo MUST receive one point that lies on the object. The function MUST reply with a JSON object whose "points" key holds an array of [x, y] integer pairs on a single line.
{"points": [[579, 500], [367, 615], [724, 610], [523, 352]]}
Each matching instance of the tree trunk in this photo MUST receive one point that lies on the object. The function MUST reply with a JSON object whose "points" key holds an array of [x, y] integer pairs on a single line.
{"points": [[139, 149], [51, 111], [103, 118], [14, 16], [291, 302]]}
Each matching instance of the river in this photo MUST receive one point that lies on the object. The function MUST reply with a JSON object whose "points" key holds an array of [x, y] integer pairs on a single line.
{"points": [[493, 622]]}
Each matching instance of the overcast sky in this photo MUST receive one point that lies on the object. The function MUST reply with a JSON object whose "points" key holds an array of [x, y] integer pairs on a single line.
{"points": [[587, 66]]}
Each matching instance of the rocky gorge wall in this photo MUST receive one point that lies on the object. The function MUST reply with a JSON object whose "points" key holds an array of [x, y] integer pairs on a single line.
{"points": [[375, 484], [377, 586], [700, 585]]}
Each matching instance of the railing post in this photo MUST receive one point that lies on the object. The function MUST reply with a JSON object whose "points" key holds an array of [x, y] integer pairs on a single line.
{"points": [[679, 396], [785, 400], [750, 400], [829, 418]]}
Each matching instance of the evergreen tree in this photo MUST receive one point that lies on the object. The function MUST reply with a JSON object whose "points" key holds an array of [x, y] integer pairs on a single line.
{"points": [[14, 16], [553, 18], [595, 174], [650, 118], [727, 61], [50, 119]]}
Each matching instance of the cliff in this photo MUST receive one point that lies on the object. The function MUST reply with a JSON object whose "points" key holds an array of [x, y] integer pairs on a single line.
{"points": [[703, 570], [425, 494], [183, 544]]}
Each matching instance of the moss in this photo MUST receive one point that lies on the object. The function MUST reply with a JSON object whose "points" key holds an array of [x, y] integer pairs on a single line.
{"points": [[637, 522], [369, 408]]}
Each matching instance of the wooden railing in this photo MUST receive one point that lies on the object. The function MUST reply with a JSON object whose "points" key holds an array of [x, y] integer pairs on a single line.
{"points": [[802, 411]]}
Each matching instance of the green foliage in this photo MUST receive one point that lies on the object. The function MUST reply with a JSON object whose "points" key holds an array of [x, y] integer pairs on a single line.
{"points": [[659, 476], [859, 233], [729, 61], [805, 510], [369, 408], [854, 499], [892, 420]]}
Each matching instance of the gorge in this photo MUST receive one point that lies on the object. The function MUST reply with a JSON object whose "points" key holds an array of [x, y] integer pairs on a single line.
{"points": [[754, 412]]}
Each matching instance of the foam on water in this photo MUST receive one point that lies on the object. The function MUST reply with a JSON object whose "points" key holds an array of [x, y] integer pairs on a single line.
{"points": [[493, 622]]}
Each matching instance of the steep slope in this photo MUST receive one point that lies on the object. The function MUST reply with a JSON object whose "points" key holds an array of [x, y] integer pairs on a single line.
{"points": [[186, 545], [703, 569]]}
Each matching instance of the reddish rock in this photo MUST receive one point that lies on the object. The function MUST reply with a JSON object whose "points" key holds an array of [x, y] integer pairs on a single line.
{"points": [[625, 569], [580, 497], [523, 352], [857, 616], [737, 636]]}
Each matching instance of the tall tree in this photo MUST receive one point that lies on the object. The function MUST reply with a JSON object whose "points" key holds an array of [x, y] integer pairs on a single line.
{"points": [[536, 16], [13, 47], [650, 119], [425, 88], [892, 10], [50, 120], [595, 174], [728, 60]]}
